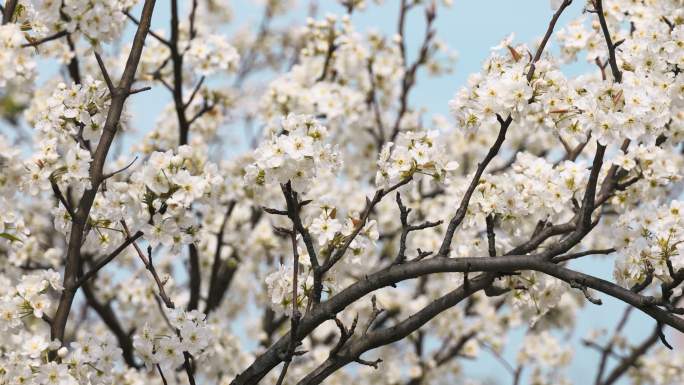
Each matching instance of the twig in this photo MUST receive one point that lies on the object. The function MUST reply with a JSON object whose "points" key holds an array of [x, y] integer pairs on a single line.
{"points": [[162, 375], [296, 315], [409, 77], [194, 92], [105, 260], [585, 291], [62, 199], [36, 43], [567, 257], [374, 315], [149, 265], [215, 286], [152, 33], [139, 90], [105, 74], [491, 236], [111, 174], [547, 36]]}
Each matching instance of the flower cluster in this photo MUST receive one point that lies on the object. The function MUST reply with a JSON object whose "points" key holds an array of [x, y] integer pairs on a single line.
{"points": [[28, 297], [95, 357], [297, 153], [651, 243], [280, 286], [328, 230], [191, 335], [609, 111], [502, 89], [211, 54], [70, 113], [99, 21], [415, 154], [13, 229], [172, 182], [16, 62], [535, 294], [660, 367], [71, 109], [534, 188], [639, 108], [546, 357]]}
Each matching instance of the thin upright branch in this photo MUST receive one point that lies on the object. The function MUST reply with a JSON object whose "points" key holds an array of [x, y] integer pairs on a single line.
{"points": [[296, 315], [119, 95], [215, 281], [475, 180], [491, 236], [612, 60], [406, 228], [105, 74]]}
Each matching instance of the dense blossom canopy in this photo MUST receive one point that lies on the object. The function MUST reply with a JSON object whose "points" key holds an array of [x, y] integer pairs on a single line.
{"points": [[294, 216]]}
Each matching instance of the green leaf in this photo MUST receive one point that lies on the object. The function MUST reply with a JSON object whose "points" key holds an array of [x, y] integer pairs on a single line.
{"points": [[10, 237]]}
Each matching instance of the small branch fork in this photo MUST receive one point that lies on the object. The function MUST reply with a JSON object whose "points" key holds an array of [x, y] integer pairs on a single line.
{"points": [[612, 60], [585, 291], [407, 228]]}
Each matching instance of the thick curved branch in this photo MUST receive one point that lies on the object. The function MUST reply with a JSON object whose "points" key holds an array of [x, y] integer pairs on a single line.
{"points": [[397, 273]]}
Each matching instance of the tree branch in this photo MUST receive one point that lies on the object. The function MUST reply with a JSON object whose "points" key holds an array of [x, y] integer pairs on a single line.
{"points": [[413, 269], [119, 95], [8, 11]]}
